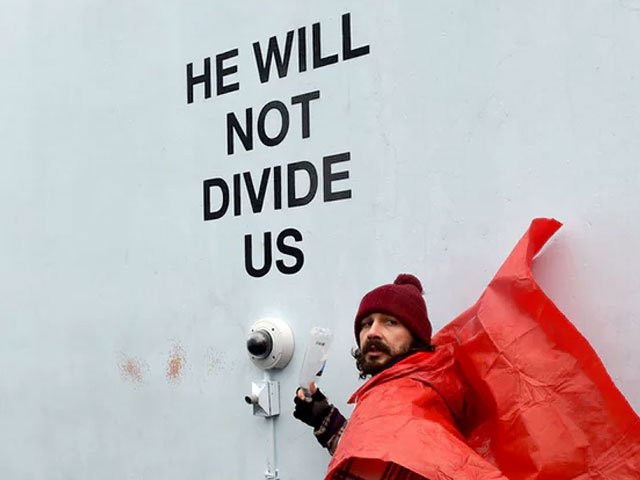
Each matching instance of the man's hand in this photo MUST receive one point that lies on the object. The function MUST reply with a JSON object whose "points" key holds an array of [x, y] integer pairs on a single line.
{"points": [[311, 410]]}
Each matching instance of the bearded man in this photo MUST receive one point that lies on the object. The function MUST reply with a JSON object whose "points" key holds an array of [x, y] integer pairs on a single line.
{"points": [[404, 425], [511, 390]]}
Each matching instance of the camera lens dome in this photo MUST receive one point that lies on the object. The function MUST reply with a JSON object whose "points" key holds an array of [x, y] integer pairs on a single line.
{"points": [[260, 344]]}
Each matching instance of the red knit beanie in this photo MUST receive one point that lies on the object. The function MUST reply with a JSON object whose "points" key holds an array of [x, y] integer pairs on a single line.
{"points": [[402, 299]]}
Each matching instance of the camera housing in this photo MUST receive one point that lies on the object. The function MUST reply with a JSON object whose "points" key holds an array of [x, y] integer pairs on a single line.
{"points": [[270, 343]]}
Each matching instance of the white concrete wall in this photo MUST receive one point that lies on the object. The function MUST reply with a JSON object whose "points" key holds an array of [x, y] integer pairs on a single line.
{"points": [[124, 313]]}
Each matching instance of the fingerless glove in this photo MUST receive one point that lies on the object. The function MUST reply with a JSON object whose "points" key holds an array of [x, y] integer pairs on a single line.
{"points": [[326, 420]]}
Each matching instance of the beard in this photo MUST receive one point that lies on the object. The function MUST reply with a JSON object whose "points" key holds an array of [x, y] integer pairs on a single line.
{"points": [[369, 365]]}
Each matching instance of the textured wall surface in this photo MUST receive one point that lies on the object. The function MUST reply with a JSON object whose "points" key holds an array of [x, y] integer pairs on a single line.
{"points": [[124, 313]]}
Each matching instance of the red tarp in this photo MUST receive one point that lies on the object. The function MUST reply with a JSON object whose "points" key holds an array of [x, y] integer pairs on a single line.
{"points": [[528, 392]]}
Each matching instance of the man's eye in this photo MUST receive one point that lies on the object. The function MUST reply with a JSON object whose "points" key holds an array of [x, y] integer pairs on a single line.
{"points": [[392, 321], [366, 324]]}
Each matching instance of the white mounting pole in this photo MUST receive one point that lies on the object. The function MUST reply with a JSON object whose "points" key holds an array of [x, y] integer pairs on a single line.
{"points": [[272, 472]]}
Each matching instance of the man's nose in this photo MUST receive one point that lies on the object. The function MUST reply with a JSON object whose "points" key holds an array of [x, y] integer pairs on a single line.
{"points": [[374, 330]]}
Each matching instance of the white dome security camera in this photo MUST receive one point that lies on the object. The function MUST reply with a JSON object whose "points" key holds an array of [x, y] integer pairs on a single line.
{"points": [[270, 343]]}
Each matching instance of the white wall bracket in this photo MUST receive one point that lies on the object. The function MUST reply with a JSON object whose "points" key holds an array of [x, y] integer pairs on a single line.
{"points": [[265, 398]]}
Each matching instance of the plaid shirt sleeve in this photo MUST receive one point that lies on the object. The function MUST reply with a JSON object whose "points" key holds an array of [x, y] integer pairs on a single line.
{"points": [[330, 430], [354, 469]]}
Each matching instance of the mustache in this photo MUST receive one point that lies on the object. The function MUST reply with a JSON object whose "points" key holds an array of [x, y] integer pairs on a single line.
{"points": [[376, 344]]}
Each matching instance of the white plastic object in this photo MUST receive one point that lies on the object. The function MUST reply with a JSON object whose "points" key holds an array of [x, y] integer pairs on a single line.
{"points": [[315, 357], [282, 343], [265, 398]]}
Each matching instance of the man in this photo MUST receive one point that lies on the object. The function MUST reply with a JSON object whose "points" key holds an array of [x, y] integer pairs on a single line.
{"points": [[404, 423], [512, 390]]}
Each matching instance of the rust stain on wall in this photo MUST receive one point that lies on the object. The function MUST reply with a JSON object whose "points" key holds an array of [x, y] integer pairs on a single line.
{"points": [[175, 364], [132, 369], [216, 362]]}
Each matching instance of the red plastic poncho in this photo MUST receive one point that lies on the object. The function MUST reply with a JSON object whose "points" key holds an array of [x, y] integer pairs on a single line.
{"points": [[406, 415], [527, 391]]}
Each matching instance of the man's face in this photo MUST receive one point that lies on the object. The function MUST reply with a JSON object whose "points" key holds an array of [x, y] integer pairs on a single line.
{"points": [[382, 338]]}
